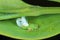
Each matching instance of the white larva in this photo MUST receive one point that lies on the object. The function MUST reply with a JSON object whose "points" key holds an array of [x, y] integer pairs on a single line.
{"points": [[22, 22]]}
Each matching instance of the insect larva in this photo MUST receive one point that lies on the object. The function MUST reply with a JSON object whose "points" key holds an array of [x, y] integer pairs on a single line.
{"points": [[22, 22]]}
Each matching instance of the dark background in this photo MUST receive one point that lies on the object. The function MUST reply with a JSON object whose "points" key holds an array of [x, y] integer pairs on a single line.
{"points": [[43, 3], [57, 37]]}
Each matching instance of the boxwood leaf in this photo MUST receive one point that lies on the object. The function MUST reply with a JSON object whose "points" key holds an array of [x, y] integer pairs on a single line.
{"points": [[49, 25]]}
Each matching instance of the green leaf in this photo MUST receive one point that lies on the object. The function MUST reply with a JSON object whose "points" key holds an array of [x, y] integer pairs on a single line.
{"points": [[18, 7], [55, 0], [49, 25], [34, 11]]}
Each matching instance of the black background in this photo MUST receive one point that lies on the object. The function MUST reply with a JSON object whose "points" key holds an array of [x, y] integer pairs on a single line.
{"points": [[57, 37], [43, 3]]}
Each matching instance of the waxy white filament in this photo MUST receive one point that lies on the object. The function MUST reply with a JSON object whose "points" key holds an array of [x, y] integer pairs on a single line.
{"points": [[22, 22]]}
